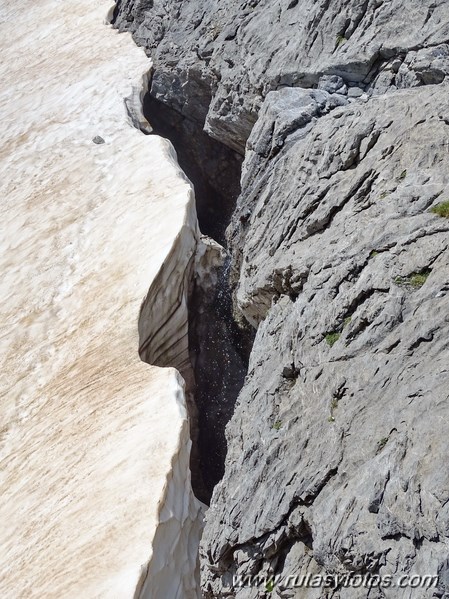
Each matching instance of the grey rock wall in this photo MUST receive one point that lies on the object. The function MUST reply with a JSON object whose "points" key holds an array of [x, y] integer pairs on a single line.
{"points": [[341, 425], [338, 447], [217, 59]]}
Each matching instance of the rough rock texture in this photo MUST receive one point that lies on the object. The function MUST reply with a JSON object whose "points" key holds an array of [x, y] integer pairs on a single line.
{"points": [[338, 447], [340, 427], [217, 59]]}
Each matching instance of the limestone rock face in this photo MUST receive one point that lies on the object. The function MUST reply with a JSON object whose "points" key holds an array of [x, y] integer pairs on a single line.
{"points": [[343, 267], [337, 450], [217, 59], [94, 444]]}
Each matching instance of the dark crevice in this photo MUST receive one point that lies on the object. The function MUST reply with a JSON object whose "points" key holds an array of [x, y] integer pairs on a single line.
{"points": [[115, 12], [219, 349], [213, 168], [219, 352]]}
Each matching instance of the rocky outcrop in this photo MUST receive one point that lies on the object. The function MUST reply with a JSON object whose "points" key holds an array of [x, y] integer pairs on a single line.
{"points": [[216, 60], [339, 259], [344, 268]]}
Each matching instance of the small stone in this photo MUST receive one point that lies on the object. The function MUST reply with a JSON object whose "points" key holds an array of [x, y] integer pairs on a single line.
{"points": [[395, 65], [290, 372], [355, 92], [98, 140], [332, 84]]}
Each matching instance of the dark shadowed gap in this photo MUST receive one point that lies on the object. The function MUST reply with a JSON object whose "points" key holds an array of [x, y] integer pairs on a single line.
{"points": [[219, 348], [219, 353], [213, 168], [116, 11]]}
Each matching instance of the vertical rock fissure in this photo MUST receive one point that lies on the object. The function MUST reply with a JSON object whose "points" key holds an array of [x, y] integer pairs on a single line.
{"points": [[218, 347], [213, 168]]}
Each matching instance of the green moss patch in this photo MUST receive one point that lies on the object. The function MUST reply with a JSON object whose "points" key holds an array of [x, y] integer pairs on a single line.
{"points": [[332, 338], [415, 280], [441, 209]]}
